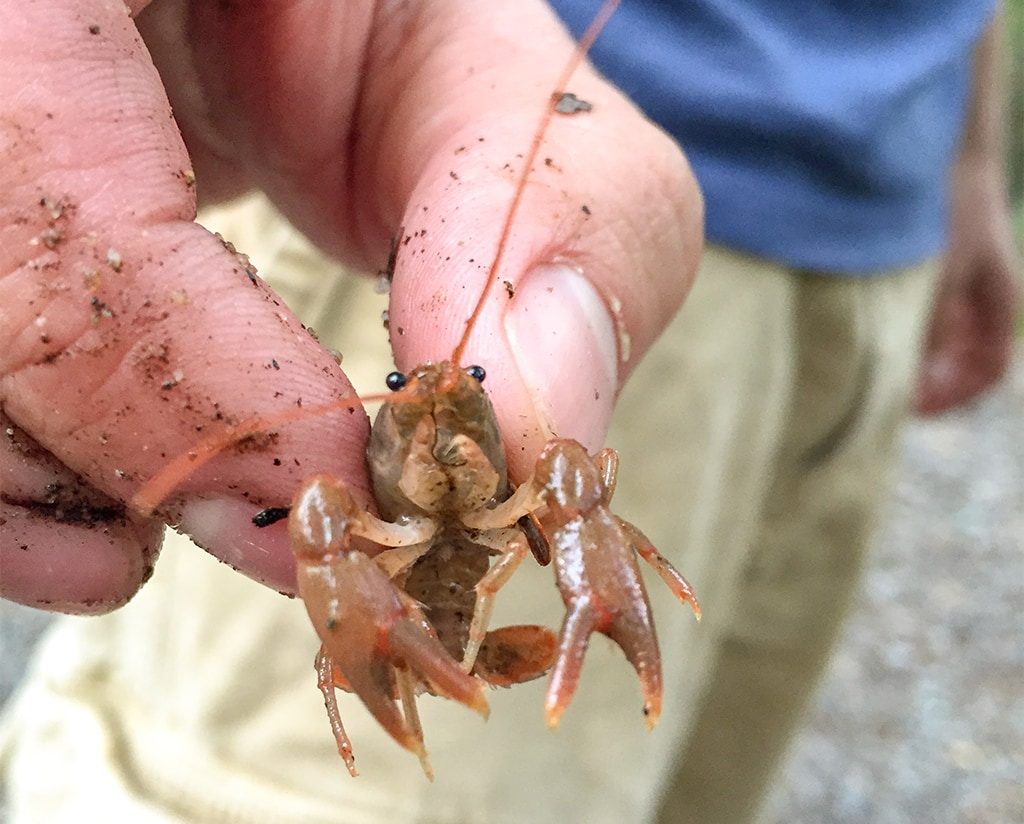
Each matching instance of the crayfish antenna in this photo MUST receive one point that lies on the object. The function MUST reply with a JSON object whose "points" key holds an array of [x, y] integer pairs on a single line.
{"points": [[582, 47], [157, 489]]}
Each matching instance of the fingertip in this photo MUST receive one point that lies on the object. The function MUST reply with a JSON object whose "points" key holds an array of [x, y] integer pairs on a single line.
{"points": [[224, 527]]}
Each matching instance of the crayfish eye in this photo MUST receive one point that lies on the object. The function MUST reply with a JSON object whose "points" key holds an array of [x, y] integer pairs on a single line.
{"points": [[477, 373], [395, 381]]}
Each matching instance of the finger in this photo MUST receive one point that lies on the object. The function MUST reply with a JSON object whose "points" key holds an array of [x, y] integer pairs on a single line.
{"points": [[65, 546], [608, 236], [601, 254], [127, 331]]}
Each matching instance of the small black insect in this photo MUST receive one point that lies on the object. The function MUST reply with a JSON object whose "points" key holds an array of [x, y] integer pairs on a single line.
{"points": [[270, 515]]}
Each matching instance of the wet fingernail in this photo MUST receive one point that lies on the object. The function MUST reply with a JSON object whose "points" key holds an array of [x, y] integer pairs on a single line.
{"points": [[563, 339], [224, 528]]}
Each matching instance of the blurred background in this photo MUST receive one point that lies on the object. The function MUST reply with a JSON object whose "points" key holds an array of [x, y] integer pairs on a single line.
{"points": [[921, 718]]}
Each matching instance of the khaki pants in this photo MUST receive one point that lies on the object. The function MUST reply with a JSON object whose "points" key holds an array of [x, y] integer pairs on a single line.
{"points": [[756, 439]]}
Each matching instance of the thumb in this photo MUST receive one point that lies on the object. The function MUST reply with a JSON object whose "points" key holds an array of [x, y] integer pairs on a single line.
{"points": [[598, 259]]}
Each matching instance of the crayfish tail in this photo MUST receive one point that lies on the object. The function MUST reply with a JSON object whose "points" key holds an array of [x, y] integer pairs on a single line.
{"points": [[512, 655]]}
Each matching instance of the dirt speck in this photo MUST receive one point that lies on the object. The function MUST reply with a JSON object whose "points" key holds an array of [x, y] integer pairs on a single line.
{"points": [[68, 504], [256, 442], [99, 310], [51, 237], [54, 206], [568, 103], [176, 377]]}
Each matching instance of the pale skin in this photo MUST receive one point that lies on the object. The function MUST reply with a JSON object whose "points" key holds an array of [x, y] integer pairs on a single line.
{"points": [[353, 118], [970, 340]]}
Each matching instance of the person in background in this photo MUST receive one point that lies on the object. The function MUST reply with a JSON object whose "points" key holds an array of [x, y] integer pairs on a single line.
{"points": [[852, 161], [825, 140]]}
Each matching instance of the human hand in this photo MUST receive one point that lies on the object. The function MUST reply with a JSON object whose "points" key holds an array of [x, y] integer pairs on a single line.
{"points": [[971, 336], [127, 332]]}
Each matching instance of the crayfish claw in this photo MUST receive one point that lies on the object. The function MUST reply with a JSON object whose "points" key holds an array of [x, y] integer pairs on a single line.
{"points": [[370, 676], [580, 623], [630, 627], [597, 574], [427, 657], [374, 636], [634, 633]]}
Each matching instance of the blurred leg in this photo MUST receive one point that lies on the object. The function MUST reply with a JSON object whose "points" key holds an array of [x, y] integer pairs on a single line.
{"points": [[857, 348]]}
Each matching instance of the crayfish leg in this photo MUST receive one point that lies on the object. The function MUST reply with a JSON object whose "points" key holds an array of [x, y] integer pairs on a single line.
{"points": [[395, 560], [672, 577], [326, 681], [324, 515], [608, 462], [407, 692], [486, 590], [526, 499]]}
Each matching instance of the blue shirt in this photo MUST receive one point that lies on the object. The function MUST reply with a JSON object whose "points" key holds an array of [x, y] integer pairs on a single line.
{"points": [[821, 131]]}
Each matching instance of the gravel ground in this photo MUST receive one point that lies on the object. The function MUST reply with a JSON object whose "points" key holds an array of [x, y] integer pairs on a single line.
{"points": [[921, 717]]}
